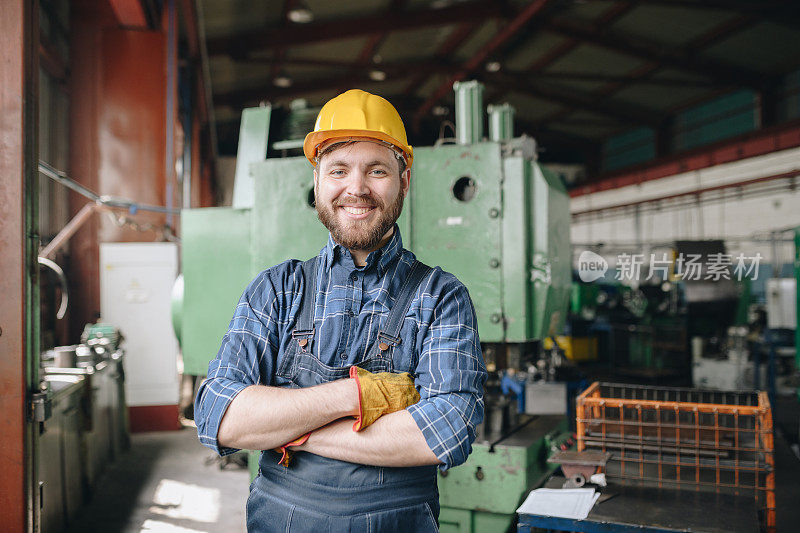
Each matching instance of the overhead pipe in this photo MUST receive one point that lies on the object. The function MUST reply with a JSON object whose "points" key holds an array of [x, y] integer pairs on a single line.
{"points": [[62, 279], [108, 201]]}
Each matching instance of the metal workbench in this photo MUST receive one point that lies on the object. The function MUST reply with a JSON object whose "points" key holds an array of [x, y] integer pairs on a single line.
{"points": [[640, 508]]}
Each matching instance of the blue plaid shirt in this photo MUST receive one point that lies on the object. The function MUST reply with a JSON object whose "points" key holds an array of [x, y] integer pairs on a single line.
{"points": [[351, 304]]}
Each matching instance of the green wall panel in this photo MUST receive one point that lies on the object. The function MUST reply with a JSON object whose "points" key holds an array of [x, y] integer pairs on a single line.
{"points": [[215, 250]]}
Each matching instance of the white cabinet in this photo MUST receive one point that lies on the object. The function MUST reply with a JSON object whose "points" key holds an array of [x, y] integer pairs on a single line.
{"points": [[135, 293]]}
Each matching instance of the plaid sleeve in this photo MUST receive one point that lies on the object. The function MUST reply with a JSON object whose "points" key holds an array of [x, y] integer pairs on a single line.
{"points": [[247, 353], [450, 376]]}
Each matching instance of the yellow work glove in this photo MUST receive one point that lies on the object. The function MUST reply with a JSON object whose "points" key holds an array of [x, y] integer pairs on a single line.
{"points": [[286, 453], [380, 394]]}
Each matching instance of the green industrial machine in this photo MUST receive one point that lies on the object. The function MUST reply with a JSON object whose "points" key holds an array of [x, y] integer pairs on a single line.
{"points": [[483, 494], [484, 210]]}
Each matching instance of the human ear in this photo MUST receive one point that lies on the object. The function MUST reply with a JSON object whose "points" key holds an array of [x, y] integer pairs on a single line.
{"points": [[405, 180]]}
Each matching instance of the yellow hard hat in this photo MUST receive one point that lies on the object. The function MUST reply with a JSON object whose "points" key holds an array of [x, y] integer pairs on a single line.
{"points": [[357, 114]]}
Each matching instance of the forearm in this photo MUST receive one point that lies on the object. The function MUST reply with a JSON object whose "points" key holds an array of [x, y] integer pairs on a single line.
{"points": [[262, 417], [392, 440]]}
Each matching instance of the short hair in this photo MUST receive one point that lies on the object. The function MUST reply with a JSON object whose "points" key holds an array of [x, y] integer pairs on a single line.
{"points": [[401, 160]]}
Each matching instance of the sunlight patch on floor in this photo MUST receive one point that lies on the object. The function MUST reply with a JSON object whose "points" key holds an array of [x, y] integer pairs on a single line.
{"points": [[154, 526], [174, 499]]}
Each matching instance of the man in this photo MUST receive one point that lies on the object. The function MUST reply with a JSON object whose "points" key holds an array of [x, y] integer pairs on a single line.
{"points": [[313, 345]]}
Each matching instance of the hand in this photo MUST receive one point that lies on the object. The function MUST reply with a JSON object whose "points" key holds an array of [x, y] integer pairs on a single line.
{"points": [[380, 394]]}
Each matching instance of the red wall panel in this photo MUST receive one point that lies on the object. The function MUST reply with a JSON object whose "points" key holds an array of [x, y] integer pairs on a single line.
{"points": [[118, 100]]}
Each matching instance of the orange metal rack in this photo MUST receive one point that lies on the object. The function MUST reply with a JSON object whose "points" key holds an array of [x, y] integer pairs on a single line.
{"points": [[683, 438]]}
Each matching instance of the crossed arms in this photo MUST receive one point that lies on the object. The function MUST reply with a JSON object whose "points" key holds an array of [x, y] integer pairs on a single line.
{"points": [[235, 409], [262, 417]]}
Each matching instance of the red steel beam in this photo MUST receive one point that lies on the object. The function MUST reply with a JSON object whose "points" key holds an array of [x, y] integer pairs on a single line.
{"points": [[254, 94], [500, 38], [696, 192], [753, 144], [241, 44], [687, 60], [605, 20], [715, 34], [375, 41], [614, 13], [453, 41], [18, 334], [129, 13], [189, 14]]}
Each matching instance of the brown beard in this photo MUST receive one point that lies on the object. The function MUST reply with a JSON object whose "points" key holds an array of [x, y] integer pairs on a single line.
{"points": [[359, 235]]}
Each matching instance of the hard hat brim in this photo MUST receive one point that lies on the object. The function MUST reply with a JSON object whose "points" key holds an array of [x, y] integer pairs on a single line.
{"points": [[316, 138]]}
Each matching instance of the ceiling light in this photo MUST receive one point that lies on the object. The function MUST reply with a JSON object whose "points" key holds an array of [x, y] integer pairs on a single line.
{"points": [[493, 66], [300, 14], [440, 111], [377, 75], [282, 80], [377, 59]]}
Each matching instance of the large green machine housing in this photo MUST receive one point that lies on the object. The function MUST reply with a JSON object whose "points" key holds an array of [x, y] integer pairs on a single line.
{"points": [[484, 210]]}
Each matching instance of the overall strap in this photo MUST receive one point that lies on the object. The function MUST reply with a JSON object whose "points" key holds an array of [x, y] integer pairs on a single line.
{"points": [[390, 334], [304, 325]]}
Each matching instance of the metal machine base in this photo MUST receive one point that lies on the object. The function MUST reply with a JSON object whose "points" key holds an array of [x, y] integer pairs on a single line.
{"points": [[483, 494]]}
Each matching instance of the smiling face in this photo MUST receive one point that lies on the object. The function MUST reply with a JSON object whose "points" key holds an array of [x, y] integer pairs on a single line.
{"points": [[359, 193]]}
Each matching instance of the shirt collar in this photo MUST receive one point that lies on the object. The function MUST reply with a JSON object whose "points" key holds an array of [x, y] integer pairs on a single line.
{"points": [[381, 257]]}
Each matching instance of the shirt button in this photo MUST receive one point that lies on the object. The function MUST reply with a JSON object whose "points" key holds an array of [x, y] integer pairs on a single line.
{"points": [[353, 278], [343, 355]]}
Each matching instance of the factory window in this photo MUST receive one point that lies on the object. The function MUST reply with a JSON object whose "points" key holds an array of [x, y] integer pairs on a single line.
{"points": [[629, 148], [721, 118], [464, 189]]}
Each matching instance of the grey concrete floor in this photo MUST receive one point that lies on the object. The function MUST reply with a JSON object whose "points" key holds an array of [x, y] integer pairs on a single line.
{"points": [[167, 483]]}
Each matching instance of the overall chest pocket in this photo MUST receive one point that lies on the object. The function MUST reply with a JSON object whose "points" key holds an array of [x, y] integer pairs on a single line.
{"points": [[298, 366], [304, 369]]}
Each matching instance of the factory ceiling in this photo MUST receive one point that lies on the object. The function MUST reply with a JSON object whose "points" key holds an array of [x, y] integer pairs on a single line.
{"points": [[577, 72]]}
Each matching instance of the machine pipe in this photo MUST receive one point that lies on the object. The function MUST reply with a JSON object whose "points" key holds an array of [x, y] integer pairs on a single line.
{"points": [[469, 111], [501, 122]]}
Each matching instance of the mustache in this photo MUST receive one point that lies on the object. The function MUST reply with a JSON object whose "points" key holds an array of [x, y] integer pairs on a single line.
{"points": [[365, 201]]}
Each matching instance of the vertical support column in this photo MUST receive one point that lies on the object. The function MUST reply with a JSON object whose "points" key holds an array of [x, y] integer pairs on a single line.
{"points": [[171, 105], [19, 310]]}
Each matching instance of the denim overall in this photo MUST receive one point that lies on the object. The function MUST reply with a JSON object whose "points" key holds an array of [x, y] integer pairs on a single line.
{"points": [[320, 494]]}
